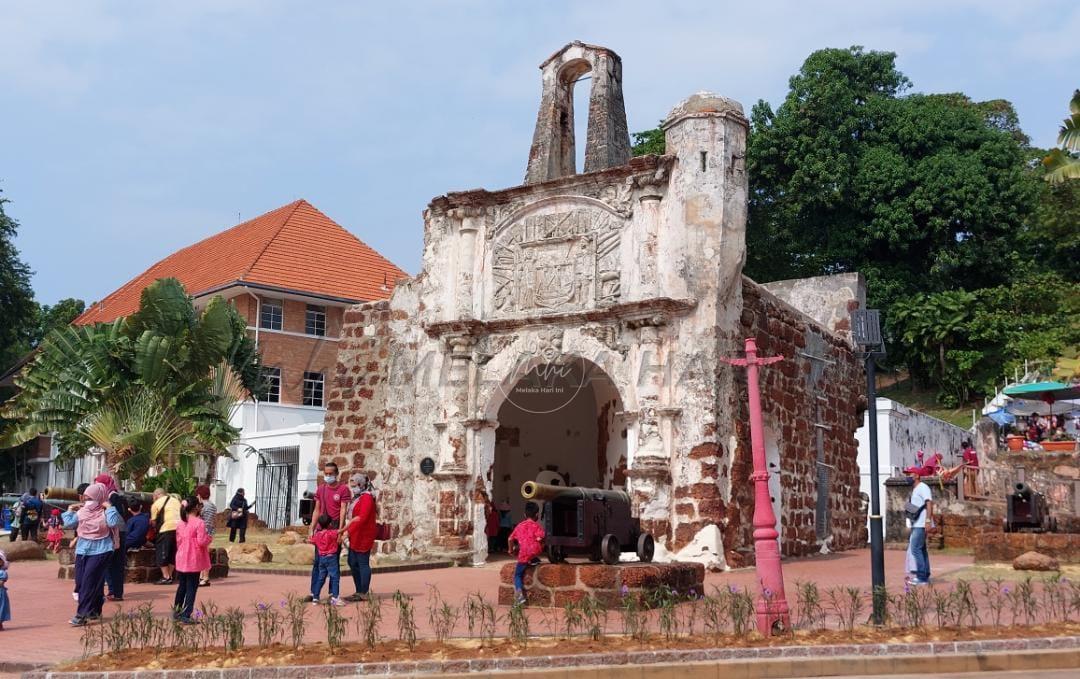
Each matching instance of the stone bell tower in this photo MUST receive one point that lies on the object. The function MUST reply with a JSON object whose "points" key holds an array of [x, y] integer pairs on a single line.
{"points": [[607, 142]]}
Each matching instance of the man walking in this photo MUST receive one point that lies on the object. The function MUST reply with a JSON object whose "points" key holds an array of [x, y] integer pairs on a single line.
{"points": [[919, 511]]}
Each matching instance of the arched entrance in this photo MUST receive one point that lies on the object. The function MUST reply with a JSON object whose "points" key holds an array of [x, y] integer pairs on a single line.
{"points": [[559, 423]]}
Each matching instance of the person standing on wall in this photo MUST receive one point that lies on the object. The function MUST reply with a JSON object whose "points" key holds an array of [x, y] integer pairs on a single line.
{"points": [[209, 514], [331, 498], [238, 516], [165, 515], [361, 531], [919, 511]]}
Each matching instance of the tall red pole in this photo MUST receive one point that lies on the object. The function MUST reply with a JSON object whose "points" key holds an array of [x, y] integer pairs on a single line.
{"points": [[772, 606]]}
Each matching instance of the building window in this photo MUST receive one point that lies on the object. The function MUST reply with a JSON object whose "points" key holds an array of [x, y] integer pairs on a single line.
{"points": [[271, 313], [315, 323], [313, 389], [272, 382]]}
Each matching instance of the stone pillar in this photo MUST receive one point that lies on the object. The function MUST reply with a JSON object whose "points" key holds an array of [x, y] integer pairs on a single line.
{"points": [[650, 246], [454, 528], [468, 223]]}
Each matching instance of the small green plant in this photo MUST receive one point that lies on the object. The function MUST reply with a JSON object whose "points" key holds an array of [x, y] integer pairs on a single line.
{"points": [[368, 617], [269, 623], [594, 615], [965, 607], [634, 619], [233, 623], [336, 624], [572, 619], [1055, 599], [741, 608], [808, 603], [441, 615], [518, 624], [848, 604], [714, 614], [406, 621], [994, 595], [1026, 592], [663, 600], [296, 611], [480, 617], [943, 602]]}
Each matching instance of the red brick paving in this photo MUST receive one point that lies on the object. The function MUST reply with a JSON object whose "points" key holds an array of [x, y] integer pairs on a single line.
{"points": [[42, 604]]}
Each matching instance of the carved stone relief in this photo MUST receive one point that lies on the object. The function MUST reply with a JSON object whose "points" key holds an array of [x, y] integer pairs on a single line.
{"points": [[556, 262]]}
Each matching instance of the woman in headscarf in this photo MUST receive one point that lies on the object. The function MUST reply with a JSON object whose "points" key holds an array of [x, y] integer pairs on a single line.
{"points": [[115, 573], [238, 516], [93, 522], [361, 531]]}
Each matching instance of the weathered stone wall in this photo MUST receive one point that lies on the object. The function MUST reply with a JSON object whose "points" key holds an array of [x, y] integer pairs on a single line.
{"points": [[826, 299]]}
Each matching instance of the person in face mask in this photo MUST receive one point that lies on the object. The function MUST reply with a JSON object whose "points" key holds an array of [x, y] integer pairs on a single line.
{"points": [[331, 498]]}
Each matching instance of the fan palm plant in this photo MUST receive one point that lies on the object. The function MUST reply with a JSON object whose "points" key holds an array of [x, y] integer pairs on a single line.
{"points": [[1062, 164], [158, 384]]}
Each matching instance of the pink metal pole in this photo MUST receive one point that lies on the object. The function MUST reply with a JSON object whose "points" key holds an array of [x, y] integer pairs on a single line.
{"points": [[772, 606]]}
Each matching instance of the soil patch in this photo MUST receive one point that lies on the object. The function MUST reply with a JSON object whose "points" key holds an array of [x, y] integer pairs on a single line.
{"points": [[461, 649]]}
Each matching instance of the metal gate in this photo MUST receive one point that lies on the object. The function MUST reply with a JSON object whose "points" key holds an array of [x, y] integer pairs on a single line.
{"points": [[275, 485]]}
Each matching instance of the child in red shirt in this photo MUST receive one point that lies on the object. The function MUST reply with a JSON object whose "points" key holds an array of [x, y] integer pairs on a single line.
{"points": [[326, 563], [529, 537]]}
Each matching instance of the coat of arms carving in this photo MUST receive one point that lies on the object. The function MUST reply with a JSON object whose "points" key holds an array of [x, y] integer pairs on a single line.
{"points": [[557, 262]]}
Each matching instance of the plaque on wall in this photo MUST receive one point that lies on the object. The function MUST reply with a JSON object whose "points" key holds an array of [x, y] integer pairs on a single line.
{"points": [[427, 466]]}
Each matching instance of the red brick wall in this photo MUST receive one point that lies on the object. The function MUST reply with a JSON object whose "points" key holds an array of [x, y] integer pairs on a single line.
{"points": [[789, 394], [295, 355]]}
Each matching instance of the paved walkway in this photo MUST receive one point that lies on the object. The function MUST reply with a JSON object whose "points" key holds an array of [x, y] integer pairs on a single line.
{"points": [[42, 604]]}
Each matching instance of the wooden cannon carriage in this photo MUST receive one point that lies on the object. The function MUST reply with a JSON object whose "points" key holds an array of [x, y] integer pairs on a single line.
{"points": [[588, 522]]}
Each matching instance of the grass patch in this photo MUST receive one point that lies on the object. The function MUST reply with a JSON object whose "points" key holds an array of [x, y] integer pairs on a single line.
{"points": [[1005, 571], [925, 401]]}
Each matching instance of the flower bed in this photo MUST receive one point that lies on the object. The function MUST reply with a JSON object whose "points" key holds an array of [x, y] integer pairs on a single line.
{"points": [[386, 630]]}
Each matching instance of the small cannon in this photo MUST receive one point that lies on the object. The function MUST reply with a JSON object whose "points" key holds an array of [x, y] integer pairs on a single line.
{"points": [[1027, 511], [589, 521], [61, 493]]}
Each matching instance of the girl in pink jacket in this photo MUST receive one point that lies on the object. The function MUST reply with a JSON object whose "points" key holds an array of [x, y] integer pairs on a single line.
{"points": [[192, 557]]}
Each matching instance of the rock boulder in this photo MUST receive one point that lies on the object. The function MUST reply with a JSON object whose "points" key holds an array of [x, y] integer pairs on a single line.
{"points": [[23, 550], [250, 552], [1033, 561], [289, 538], [300, 555]]}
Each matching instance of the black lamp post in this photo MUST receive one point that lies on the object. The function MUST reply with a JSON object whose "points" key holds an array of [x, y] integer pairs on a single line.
{"points": [[866, 331]]}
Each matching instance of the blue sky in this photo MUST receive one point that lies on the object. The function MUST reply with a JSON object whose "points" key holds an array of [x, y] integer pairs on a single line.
{"points": [[133, 129]]}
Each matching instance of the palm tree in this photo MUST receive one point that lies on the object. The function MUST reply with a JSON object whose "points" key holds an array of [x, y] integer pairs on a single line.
{"points": [[1062, 164], [148, 389]]}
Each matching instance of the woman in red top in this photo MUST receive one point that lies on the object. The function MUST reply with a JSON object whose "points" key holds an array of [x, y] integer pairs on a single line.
{"points": [[361, 530]]}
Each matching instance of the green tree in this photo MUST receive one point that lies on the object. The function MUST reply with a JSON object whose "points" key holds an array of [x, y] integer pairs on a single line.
{"points": [[648, 143], [1062, 164], [149, 389], [17, 308], [57, 316], [921, 193]]}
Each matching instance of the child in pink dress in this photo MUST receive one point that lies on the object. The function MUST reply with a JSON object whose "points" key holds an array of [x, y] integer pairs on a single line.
{"points": [[55, 534]]}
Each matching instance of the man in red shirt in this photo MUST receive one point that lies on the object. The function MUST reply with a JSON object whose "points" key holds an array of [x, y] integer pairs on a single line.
{"points": [[330, 499], [361, 529], [529, 537]]}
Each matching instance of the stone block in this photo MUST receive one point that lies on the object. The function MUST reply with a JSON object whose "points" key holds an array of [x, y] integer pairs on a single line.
{"points": [[24, 550], [557, 575], [251, 552], [289, 538], [1033, 561], [597, 577], [300, 555]]}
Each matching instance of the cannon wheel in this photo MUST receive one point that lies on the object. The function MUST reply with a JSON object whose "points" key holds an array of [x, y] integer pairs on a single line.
{"points": [[645, 548], [611, 550], [555, 554]]}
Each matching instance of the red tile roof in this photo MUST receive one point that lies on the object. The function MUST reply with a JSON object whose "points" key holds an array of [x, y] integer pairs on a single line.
{"points": [[293, 248]]}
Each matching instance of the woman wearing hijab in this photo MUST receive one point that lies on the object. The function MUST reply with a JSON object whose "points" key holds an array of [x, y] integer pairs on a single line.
{"points": [[93, 522], [192, 557], [361, 530], [238, 516], [115, 573]]}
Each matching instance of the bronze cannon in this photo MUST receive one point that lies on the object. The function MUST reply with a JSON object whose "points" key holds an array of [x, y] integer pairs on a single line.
{"points": [[72, 495], [590, 522]]}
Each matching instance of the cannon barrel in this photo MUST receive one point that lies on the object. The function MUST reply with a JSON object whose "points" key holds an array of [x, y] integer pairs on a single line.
{"points": [[1022, 489], [62, 493], [531, 490]]}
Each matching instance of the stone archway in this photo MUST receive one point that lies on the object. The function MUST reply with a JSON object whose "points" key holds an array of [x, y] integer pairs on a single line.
{"points": [[562, 421]]}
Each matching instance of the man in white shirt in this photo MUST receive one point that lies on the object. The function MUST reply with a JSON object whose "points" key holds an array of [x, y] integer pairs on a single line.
{"points": [[921, 497]]}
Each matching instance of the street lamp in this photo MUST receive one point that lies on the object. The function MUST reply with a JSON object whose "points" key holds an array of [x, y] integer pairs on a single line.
{"points": [[866, 332]]}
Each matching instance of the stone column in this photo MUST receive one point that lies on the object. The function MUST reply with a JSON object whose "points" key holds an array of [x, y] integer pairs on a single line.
{"points": [[454, 520], [468, 223], [650, 246]]}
